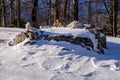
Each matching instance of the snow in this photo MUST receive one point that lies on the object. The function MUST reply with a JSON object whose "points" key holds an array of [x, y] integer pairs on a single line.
{"points": [[75, 24], [68, 32], [72, 32], [51, 60]]}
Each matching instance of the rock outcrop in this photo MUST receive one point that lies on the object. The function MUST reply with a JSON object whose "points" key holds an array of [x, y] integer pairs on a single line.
{"points": [[82, 41]]}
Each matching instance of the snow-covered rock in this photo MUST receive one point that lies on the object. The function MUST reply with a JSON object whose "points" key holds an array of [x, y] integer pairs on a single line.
{"points": [[75, 24], [28, 26], [81, 37]]}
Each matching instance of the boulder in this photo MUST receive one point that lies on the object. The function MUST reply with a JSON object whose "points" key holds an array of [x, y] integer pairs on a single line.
{"points": [[60, 23], [24, 35]]}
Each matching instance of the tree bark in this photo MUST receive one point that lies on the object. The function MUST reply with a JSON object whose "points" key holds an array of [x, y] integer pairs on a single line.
{"points": [[65, 9], [34, 13], [11, 12], [56, 10], [68, 15], [89, 12], [0, 11], [3, 14], [75, 9], [49, 12], [18, 13], [115, 14]]}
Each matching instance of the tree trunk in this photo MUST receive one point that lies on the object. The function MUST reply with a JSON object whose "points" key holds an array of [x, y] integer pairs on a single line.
{"points": [[34, 13], [3, 13], [75, 9], [115, 14], [89, 12], [18, 13], [97, 24], [56, 10], [65, 9], [68, 14], [11, 12], [0, 11], [49, 12]]}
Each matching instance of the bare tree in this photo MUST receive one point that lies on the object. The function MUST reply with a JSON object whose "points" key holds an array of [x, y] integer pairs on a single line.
{"points": [[3, 13], [75, 9], [11, 12], [68, 14], [0, 11], [112, 13], [56, 16], [115, 14], [49, 4], [34, 13], [65, 9], [18, 12]]}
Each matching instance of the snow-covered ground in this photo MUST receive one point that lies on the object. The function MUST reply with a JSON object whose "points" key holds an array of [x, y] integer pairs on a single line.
{"points": [[51, 60]]}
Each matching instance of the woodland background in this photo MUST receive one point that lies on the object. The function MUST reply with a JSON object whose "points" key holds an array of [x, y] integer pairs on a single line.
{"points": [[101, 13]]}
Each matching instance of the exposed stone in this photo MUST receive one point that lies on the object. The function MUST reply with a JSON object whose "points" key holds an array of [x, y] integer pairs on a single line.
{"points": [[75, 24], [28, 26], [83, 41], [22, 36], [60, 23]]}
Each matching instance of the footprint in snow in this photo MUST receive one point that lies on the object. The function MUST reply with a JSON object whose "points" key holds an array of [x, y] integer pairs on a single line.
{"points": [[24, 58], [66, 66], [52, 64], [31, 53], [89, 75], [112, 66], [27, 65], [115, 67]]}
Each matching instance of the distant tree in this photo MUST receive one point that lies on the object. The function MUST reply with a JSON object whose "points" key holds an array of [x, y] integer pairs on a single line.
{"points": [[11, 12], [56, 14], [112, 13], [65, 9], [3, 18], [75, 9], [18, 12], [68, 14], [115, 15], [0, 11], [34, 13], [49, 4]]}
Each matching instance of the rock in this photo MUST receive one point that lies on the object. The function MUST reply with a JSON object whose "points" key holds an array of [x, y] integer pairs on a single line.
{"points": [[60, 23], [75, 24], [24, 35], [86, 42], [28, 26]]}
